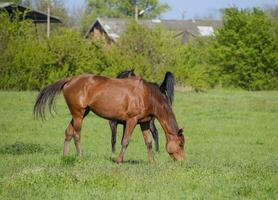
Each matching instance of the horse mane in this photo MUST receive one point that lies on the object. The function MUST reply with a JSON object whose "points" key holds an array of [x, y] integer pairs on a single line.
{"points": [[156, 91], [167, 86], [126, 74]]}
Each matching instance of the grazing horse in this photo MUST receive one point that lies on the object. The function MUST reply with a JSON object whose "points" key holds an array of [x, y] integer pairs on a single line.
{"points": [[166, 87], [130, 100]]}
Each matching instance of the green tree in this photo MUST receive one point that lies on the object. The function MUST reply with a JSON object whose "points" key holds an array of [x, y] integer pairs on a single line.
{"points": [[57, 8], [193, 67], [151, 52], [247, 50], [272, 11], [29, 62]]}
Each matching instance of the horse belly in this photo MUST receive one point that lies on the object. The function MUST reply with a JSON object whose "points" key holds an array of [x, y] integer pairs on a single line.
{"points": [[117, 107]]}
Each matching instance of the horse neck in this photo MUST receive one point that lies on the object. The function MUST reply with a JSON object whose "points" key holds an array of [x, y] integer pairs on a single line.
{"points": [[166, 118]]}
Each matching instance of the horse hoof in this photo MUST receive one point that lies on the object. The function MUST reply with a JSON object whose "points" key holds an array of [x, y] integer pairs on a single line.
{"points": [[119, 161]]}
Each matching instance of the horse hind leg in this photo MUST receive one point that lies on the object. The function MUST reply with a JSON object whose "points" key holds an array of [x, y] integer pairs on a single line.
{"points": [[74, 131], [77, 130], [113, 127], [77, 134], [69, 133]]}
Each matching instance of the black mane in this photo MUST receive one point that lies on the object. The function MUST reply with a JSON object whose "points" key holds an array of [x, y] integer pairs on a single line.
{"points": [[168, 85], [126, 74]]}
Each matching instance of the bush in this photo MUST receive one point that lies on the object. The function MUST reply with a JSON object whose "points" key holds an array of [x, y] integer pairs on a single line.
{"points": [[243, 53], [29, 62], [246, 50]]}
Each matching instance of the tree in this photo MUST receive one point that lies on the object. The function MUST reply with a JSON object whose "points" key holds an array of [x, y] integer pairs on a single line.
{"points": [[57, 8], [246, 49], [151, 52], [120, 9], [272, 11]]}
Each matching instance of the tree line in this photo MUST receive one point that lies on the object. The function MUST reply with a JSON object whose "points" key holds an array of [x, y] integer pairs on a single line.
{"points": [[243, 53]]}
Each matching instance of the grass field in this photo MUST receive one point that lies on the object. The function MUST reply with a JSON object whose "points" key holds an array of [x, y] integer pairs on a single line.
{"points": [[231, 148]]}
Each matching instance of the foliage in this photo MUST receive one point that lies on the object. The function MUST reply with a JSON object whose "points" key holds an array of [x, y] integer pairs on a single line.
{"points": [[57, 8], [151, 52], [272, 10], [30, 63], [246, 50], [193, 66], [120, 9], [241, 54]]}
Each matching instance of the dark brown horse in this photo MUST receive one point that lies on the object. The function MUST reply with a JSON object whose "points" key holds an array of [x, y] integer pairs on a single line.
{"points": [[166, 88], [131, 100]]}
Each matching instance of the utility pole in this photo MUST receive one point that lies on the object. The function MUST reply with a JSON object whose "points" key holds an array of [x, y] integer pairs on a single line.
{"points": [[48, 18], [134, 3], [183, 14], [136, 12]]}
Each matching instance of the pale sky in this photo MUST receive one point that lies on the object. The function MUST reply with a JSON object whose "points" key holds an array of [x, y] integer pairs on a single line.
{"points": [[195, 8]]}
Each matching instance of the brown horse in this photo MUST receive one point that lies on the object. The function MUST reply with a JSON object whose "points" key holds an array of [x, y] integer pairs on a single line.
{"points": [[166, 88], [131, 100]]}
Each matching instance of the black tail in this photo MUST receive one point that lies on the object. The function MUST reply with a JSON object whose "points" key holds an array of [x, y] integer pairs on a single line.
{"points": [[126, 74], [47, 95], [167, 86]]}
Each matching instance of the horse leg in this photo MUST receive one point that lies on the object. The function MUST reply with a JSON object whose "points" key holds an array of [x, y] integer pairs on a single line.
{"points": [[77, 129], [73, 131], [69, 132], [145, 127], [113, 127], [77, 123], [154, 134], [129, 127]]}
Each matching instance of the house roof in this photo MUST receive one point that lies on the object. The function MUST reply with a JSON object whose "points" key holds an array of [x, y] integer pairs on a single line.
{"points": [[114, 27], [34, 15]]}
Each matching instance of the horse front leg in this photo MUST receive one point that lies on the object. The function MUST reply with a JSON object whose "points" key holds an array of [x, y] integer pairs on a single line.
{"points": [[129, 127], [145, 127], [113, 127], [154, 134]]}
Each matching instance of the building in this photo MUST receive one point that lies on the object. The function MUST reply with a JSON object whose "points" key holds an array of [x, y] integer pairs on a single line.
{"points": [[34, 15], [112, 28]]}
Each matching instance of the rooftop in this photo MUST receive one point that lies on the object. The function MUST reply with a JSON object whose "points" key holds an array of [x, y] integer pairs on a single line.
{"points": [[34, 15], [114, 27]]}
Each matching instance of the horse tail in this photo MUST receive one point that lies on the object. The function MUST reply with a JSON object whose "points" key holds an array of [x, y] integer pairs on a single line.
{"points": [[167, 86], [47, 95]]}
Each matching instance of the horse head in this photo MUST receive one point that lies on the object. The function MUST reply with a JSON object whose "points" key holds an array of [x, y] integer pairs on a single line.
{"points": [[175, 146]]}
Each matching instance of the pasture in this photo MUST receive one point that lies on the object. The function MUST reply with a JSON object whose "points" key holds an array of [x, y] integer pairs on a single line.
{"points": [[231, 152]]}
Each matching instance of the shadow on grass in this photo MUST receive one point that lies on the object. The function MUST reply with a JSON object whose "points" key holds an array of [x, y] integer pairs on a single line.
{"points": [[71, 160], [20, 148], [130, 161]]}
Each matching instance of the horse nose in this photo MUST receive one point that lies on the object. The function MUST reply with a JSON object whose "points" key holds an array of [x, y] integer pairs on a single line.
{"points": [[178, 157]]}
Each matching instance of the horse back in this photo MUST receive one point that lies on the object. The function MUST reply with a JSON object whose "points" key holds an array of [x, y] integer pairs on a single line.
{"points": [[107, 97]]}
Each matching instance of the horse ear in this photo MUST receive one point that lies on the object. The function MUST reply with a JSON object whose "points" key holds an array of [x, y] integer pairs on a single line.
{"points": [[180, 135], [180, 131]]}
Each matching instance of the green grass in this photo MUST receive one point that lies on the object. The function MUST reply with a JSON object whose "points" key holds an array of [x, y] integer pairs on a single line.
{"points": [[231, 149]]}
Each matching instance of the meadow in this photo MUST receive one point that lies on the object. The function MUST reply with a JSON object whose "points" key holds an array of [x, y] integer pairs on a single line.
{"points": [[231, 152]]}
